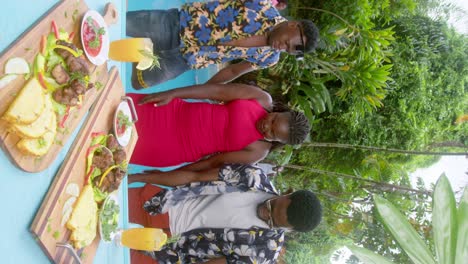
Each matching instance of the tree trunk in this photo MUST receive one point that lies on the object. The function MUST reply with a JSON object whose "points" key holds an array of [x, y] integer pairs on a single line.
{"points": [[452, 144], [390, 187], [402, 151]]}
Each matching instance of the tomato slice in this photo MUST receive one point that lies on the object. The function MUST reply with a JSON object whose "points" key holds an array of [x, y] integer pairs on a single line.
{"points": [[55, 29], [65, 117], [89, 35], [121, 130], [70, 37], [43, 44], [42, 81]]}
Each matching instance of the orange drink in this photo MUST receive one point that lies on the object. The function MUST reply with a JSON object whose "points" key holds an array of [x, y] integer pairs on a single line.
{"points": [[134, 50], [149, 239], [129, 50]]}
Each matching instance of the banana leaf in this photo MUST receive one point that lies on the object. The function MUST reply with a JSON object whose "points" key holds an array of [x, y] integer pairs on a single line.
{"points": [[367, 256], [403, 232], [444, 221], [462, 240]]}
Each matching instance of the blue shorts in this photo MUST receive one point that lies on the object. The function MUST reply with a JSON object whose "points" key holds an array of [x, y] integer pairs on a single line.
{"points": [[162, 27]]}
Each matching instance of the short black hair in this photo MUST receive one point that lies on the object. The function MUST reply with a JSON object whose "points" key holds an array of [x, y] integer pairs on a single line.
{"points": [[299, 128], [311, 33], [305, 211], [299, 125]]}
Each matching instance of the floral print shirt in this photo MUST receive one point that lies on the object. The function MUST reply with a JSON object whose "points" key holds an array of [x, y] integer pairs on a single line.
{"points": [[254, 245], [204, 26]]}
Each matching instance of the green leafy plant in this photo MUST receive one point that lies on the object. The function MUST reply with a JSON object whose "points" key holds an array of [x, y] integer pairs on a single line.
{"points": [[450, 229]]}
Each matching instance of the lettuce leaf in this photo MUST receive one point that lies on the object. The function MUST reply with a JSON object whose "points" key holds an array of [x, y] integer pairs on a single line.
{"points": [[52, 60], [60, 109]]}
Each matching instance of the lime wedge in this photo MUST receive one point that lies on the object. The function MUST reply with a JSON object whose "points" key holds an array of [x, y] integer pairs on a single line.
{"points": [[145, 63], [73, 189], [148, 44], [7, 79], [67, 210], [17, 65]]}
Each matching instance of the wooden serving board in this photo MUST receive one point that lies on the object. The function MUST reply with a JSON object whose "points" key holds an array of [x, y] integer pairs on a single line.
{"points": [[46, 226], [67, 14]]}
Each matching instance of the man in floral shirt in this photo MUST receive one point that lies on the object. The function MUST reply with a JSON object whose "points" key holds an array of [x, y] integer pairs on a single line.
{"points": [[233, 215], [217, 32]]}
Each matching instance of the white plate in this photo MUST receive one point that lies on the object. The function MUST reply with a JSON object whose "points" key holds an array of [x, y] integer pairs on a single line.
{"points": [[104, 52], [125, 138], [112, 196]]}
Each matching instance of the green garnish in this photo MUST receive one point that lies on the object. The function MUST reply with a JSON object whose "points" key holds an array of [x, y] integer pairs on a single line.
{"points": [[97, 31], [150, 55], [75, 15], [109, 219], [122, 122], [98, 85], [42, 142], [172, 239], [56, 234]]}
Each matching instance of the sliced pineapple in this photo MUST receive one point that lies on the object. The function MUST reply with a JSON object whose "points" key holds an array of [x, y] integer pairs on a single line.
{"points": [[39, 146], [28, 105], [39, 127], [83, 221]]}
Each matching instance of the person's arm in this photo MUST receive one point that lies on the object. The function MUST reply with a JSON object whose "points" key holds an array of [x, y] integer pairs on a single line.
{"points": [[175, 177], [231, 72], [204, 170], [219, 92], [250, 155]]}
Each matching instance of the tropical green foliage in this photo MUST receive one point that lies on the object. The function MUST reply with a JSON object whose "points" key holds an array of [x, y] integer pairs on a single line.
{"points": [[385, 74], [450, 230], [356, 60]]}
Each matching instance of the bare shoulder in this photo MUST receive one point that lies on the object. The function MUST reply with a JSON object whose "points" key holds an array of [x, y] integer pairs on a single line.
{"points": [[265, 100], [261, 147], [255, 92]]}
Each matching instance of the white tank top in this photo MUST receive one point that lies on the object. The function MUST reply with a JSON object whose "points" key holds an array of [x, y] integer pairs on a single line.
{"points": [[232, 210]]}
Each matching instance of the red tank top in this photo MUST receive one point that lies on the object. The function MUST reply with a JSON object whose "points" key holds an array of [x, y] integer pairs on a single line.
{"points": [[185, 132]]}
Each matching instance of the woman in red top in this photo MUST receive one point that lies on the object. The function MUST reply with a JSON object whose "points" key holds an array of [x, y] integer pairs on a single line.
{"points": [[241, 130]]}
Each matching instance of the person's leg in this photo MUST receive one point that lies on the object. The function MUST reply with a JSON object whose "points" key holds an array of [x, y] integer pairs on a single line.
{"points": [[140, 258], [162, 27], [136, 198], [137, 215], [172, 65]]}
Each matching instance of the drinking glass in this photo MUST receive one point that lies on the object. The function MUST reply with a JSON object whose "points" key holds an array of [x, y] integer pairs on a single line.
{"points": [[130, 50], [148, 239]]}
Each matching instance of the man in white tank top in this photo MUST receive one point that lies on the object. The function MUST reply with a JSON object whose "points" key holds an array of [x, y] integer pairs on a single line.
{"points": [[234, 216]]}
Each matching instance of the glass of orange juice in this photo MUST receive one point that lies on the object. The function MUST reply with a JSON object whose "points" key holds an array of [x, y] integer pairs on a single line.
{"points": [[148, 239], [134, 50]]}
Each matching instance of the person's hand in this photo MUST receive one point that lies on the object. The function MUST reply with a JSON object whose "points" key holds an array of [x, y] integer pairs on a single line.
{"points": [[157, 99], [131, 178]]}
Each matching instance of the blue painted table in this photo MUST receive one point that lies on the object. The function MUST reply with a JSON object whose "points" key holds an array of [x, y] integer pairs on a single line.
{"points": [[21, 192]]}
